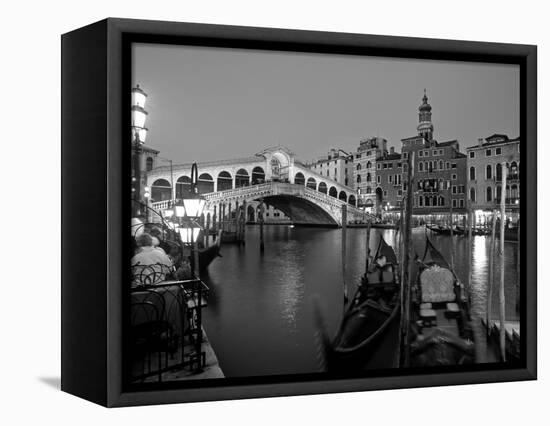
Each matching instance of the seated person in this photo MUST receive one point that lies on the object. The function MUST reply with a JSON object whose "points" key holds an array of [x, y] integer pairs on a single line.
{"points": [[150, 264], [158, 241]]}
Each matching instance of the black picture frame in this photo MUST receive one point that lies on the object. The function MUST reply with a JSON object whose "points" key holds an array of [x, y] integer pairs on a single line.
{"points": [[95, 162]]}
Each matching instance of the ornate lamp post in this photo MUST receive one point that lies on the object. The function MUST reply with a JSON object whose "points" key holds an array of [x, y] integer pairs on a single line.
{"points": [[138, 135], [188, 213]]}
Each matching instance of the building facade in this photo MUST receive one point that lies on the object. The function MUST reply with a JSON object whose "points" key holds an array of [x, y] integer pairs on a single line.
{"points": [[439, 172], [484, 164], [389, 181], [337, 165], [364, 170]]}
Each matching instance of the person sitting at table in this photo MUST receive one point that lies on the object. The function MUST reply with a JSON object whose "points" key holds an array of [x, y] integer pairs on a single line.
{"points": [[151, 264], [158, 241]]}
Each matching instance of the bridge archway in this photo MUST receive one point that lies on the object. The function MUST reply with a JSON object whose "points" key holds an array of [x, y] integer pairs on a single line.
{"points": [[205, 183], [343, 196], [352, 200], [299, 179], [183, 187], [161, 190], [258, 175], [301, 211], [312, 183], [242, 178], [333, 192], [322, 187], [225, 181]]}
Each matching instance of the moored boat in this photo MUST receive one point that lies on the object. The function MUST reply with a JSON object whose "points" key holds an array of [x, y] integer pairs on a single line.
{"points": [[441, 332], [368, 332]]}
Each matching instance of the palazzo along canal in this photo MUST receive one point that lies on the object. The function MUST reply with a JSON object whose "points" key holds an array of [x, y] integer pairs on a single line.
{"points": [[259, 317]]}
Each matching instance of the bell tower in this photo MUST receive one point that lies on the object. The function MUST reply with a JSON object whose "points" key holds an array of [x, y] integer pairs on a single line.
{"points": [[425, 127]]}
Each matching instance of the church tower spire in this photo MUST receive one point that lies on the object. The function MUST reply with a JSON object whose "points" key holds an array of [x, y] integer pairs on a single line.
{"points": [[425, 127]]}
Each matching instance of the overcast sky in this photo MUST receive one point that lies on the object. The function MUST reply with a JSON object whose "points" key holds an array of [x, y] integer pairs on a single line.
{"points": [[215, 103]]}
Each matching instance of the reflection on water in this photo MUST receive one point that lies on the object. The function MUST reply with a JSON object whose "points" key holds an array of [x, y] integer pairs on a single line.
{"points": [[260, 318]]}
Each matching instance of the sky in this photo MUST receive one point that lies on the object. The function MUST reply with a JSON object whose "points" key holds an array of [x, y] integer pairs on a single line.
{"points": [[208, 103]]}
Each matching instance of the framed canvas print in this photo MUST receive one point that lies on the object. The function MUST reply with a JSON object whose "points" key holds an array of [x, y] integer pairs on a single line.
{"points": [[253, 212]]}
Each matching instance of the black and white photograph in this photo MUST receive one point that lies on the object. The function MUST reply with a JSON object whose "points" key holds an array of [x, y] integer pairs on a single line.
{"points": [[298, 213]]}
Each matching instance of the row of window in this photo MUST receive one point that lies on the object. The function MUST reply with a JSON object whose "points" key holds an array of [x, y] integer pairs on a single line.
{"points": [[489, 152], [495, 171], [430, 166], [436, 201], [426, 152], [491, 194]]}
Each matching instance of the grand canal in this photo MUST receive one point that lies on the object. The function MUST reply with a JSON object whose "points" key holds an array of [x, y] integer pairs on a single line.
{"points": [[260, 314]]}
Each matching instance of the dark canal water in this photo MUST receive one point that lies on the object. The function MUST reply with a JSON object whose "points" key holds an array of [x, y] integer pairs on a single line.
{"points": [[260, 316]]}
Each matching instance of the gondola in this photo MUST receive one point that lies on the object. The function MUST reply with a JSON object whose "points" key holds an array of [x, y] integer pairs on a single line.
{"points": [[385, 226], [368, 332], [441, 332], [208, 254], [445, 230]]}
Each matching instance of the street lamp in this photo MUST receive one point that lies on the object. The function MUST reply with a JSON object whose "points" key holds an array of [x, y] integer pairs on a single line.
{"points": [[138, 135]]}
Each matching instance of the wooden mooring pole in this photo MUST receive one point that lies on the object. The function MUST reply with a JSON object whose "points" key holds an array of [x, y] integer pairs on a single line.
{"points": [[243, 225], [518, 279], [490, 280], [344, 244], [262, 225], [470, 242], [502, 299], [367, 258], [405, 280]]}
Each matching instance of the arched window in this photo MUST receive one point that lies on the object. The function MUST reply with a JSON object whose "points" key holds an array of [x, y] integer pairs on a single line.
{"points": [[420, 166], [368, 177], [149, 164], [312, 183], [225, 181], [205, 184], [514, 191], [258, 175], [498, 193], [183, 187], [299, 179], [499, 172], [472, 173], [369, 165], [358, 178], [322, 187], [489, 172], [489, 194], [472, 194], [440, 164], [242, 178], [369, 190], [359, 166], [161, 190], [333, 192]]}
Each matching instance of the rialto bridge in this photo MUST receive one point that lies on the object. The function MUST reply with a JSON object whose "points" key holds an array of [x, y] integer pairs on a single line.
{"points": [[273, 175]]}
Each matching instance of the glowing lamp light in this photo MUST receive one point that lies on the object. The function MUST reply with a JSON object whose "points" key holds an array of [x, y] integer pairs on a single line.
{"points": [[179, 211], [141, 134], [139, 115], [194, 206], [189, 234], [138, 97]]}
